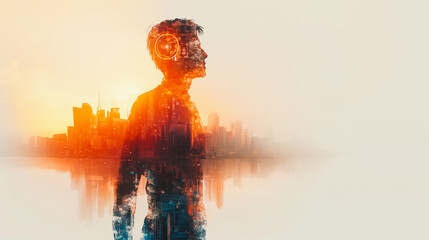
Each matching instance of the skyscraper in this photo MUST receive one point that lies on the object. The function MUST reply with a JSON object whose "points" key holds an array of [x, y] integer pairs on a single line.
{"points": [[87, 116], [78, 125], [213, 129], [237, 137], [213, 125]]}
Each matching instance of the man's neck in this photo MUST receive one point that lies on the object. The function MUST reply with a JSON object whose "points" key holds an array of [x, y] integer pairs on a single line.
{"points": [[177, 85]]}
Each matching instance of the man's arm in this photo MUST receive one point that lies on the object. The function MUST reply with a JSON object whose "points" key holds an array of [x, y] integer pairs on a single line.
{"points": [[127, 184]]}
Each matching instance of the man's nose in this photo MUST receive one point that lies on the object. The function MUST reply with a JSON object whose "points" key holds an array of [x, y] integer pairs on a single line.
{"points": [[205, 54]]}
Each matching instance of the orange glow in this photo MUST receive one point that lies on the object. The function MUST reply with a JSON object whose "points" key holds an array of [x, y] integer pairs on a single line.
{"points": [[167, 46]]}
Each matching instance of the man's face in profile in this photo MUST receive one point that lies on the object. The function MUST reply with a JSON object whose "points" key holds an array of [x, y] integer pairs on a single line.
{"points": [[197, 57], [192, 58]]}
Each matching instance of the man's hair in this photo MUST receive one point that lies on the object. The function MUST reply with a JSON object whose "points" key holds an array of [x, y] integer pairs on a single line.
{"points": [[181, 28]]}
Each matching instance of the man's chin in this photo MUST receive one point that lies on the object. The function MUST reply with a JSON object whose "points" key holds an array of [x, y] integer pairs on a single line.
{"points": [[203, 73], [200, 73]]}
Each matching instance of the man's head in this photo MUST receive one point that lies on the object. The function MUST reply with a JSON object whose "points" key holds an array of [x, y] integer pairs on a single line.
{"points": [[176, 50]]}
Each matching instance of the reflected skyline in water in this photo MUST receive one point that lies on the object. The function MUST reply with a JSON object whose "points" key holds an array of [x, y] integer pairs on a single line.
{"points": [[270, 198], [95, 179]]}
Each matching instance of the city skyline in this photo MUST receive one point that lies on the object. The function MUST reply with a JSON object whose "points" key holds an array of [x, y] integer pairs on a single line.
{"points": [[101, 133]]}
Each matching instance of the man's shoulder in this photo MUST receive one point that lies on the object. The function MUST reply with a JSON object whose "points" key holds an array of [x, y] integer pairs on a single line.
{"points": [[148, 94], [145, 98]]}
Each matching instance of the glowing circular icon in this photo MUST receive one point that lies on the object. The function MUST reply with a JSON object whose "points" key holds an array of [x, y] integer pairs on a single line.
{"points": [[166, 46]]}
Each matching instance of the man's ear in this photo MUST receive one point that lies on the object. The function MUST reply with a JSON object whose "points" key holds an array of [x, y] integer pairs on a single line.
{"points": [[167, 47]]}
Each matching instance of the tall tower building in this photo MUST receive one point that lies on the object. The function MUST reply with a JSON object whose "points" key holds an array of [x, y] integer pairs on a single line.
{"points": [[83, 119], [213, 129], [213, 125], [87, 117], [221, 146], [78, 125], [245, 140], [237, 136]]}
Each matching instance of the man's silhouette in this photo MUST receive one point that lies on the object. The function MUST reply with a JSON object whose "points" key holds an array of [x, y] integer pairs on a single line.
{"points": [[165, 142]]}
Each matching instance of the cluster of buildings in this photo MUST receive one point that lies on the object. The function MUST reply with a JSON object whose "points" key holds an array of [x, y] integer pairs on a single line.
{"points": [[221, 142], [92, 135], [101, 134]]}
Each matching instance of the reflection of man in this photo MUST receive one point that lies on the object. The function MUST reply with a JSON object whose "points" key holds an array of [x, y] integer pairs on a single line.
{"points": [[164, 142]]}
